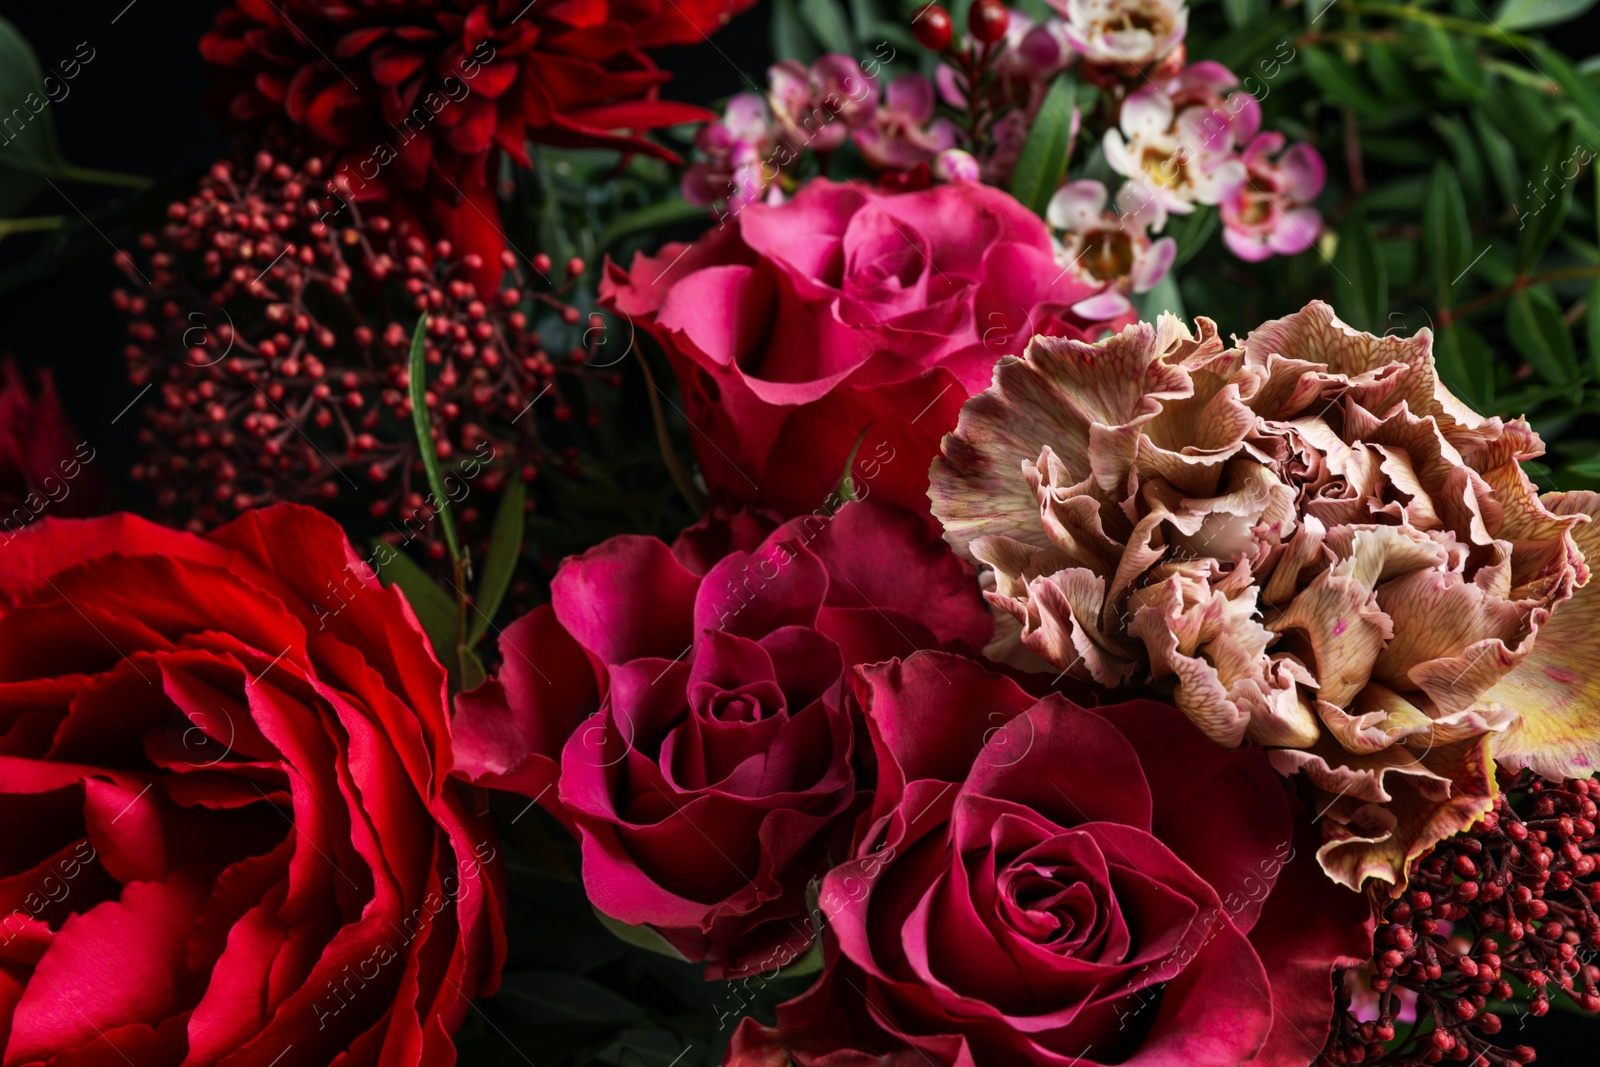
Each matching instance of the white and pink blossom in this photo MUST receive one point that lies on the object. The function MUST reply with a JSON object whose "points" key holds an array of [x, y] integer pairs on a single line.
{"points": [[1112, 249]]}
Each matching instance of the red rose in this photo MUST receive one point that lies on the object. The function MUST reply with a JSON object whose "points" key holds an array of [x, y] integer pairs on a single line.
{"points": [[1041, 883], [45, 468], [795, 329], [718, 769], [230, 834]]}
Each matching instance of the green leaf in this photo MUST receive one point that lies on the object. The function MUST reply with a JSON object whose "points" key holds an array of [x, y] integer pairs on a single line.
{"points": [[1591, 326], [1464, 154], [1243, 12], [1534, 14], [808, 962], [1501, 157], [435, 608], [1577, 87], [674, 209], [1457, 59], [789, 37], [1047, 150], [1544, 208], [425, 446], [645, 937], [28, 153], [845, 490], [1164, 297], [1360, 279], [1585, 468], [829, 25], [1446, 234], [1538, 332], [500, 563], [1192, 231], [1466, 364], [1342, 82]]}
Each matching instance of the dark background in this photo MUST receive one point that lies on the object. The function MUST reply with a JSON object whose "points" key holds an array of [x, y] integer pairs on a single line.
{"points": [[135, 109]]}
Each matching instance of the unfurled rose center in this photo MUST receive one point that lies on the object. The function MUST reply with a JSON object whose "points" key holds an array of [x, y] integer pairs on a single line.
{"points": [[1305, 539]]}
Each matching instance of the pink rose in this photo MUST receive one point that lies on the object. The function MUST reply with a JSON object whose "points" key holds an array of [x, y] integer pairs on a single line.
{"points": [[714, 776], [1042, 883], [847, 316]]}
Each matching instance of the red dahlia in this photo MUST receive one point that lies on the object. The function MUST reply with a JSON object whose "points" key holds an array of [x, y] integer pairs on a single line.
{"points": [[417, 97]]}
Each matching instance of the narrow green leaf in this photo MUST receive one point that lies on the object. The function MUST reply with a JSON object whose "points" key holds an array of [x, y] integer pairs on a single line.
{"points": [[1465, 156], [1501, 157], [645, 937], [1446, 234], [500, 563], [1360, 278], [1534, 14], [1192, 231], [1342, 82], [435, 608], [425, 446], [1591, 325], [1585, 468], [1538, 332], [1457, 60], [1581, 91], [1546, 200], [1047, 150], [1466, 364], [654, 216], [829, 25], [790, 40], [1243, 12], [845, 490]]}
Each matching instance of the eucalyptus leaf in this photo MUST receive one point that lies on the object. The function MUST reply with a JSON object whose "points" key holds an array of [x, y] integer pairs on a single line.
{"points": [[1539, 333], [1047, 150]]}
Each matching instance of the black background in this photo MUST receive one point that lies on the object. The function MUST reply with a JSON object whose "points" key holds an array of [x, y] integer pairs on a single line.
{"points": [[136, 109]]}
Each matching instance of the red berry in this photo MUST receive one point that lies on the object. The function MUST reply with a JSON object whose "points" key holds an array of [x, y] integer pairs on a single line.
{"points": [[987, 20], [932, 28]]}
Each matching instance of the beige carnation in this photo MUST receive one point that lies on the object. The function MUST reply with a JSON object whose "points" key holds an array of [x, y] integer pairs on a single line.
{"points": [[1306, 543]]}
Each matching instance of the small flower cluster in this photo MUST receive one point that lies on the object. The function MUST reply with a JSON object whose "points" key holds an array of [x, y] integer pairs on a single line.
{"points": [[1181, 134], [279, 344], [1513, 900], [751, 152]]}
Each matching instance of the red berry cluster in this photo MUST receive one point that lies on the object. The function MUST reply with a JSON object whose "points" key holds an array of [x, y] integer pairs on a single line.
{"points": [[274, 322], [1503, 912]]}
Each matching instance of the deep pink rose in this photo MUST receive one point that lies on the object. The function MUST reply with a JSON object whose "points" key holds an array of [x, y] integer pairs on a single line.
{"points": [[797, 328], [717, 771], [1040, 883]]}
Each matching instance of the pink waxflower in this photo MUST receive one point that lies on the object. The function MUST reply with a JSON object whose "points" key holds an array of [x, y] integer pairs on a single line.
{"points": [[737, 166], [817, 108], [1108, 248], [1132, 34], [1271, 213], [903, 132], [1175, 159]]}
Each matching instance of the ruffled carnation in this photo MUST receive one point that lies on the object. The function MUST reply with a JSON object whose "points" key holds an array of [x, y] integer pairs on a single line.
{"points": [[1305, 539]]}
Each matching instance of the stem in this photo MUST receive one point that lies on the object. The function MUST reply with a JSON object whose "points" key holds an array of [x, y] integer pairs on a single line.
{"points": [[1445, 22], [680, 477], [1352, 153], [41, 222], [103, 177], [1449, 315]]}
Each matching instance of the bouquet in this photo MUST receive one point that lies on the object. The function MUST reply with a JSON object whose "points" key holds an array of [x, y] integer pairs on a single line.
{"points": [[1057, 534]]}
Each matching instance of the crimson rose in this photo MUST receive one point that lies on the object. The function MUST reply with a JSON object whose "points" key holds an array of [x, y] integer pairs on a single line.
{"points": [[1045, 884], [229, 831], [717, 770], [796, 329]]}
